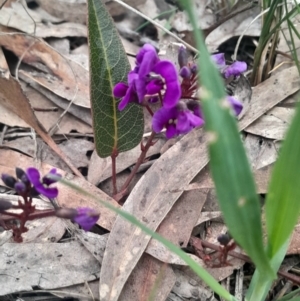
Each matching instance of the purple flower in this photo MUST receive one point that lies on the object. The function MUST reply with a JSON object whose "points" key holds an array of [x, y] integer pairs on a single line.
{"points": [[176, 120], [128, 92], [42, 185], [86, 218], [141, 80], [219, 59], [236, 105], [235, 69]]}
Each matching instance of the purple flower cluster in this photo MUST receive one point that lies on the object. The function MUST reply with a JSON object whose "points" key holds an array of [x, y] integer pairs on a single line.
{"points": [[31, 183], [154, 79]]}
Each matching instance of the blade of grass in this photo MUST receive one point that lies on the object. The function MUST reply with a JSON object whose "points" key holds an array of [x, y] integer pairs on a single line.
{"points": [[282, 204], [230, 169]]}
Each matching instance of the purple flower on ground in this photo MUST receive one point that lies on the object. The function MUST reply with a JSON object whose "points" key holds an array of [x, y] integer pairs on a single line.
{"points": [[235, 69], [86, 218], [219, 59], [42, 185], [177, 120], [236, 105], [141, 80]]}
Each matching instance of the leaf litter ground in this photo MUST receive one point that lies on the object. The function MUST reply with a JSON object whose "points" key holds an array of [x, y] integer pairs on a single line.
{"points": [[53, 72]]}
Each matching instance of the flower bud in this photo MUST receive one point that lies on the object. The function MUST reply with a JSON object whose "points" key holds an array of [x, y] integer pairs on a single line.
{"points": [[20, 173], [185, 72], [20, 188], [194, 69], [181, 106], [182, 57], [5, 205], [68, 213], [8, 180], [224, 239]]}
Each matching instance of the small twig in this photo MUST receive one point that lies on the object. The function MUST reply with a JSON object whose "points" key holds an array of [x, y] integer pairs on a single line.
{"points": [[140, 160], [295, 279], [158, 25]]}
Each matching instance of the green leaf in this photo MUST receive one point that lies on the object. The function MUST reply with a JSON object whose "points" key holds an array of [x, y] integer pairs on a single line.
{"points": [[260, 286], [228, 162], [114, 131], [283, 200]]}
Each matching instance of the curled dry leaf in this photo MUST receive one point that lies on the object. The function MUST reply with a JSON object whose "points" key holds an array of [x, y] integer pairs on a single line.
{"points": [[60, 75], [13, 98]]}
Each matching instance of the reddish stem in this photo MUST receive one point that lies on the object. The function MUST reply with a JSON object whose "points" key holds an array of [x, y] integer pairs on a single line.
{"points": [[295, 279], [140, 160]]}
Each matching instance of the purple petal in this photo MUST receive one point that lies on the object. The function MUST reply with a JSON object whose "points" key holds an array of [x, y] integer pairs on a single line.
{"points": [[173, 90], [49, 192], [120, 90], [147, 60], [236, 104], [146, 49], [171, 131], [162, 117], [219, 59], [48, 179], [182, 125], [86, 218], [129, 97], [33, 175], [194, 120], [132, 77], [187, 121], [154, 87], [140, 85], [235, 69]]}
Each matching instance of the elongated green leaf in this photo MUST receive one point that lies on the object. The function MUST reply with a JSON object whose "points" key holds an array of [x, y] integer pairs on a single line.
{"points": [[114, 131], [260, 286], [229, 166], [283, 200]]}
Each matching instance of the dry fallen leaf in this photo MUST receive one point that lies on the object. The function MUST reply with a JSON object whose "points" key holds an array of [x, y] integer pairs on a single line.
{"points": [[235, 27], [13, 98], [273, 124], [24, 266], [32, 22], [60, 75]]}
